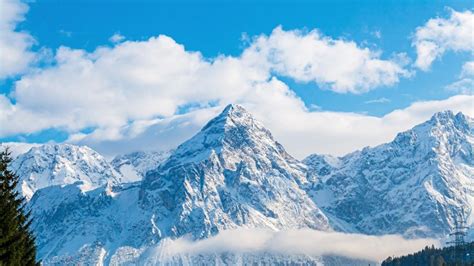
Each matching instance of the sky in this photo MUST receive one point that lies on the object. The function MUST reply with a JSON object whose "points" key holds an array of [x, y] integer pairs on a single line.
{"points": [[324, 76]]}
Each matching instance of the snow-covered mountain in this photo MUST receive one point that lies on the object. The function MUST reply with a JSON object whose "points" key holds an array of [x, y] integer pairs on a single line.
{"points": [[416, 185], [232, 173], [61, 164], [133, 166]]}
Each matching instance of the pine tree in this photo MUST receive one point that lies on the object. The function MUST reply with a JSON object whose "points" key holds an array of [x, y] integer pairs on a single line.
{"points": [[17, 244]]}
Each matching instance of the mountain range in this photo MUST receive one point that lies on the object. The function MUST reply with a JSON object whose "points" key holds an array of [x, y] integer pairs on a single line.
{"points": [[234, 174]]}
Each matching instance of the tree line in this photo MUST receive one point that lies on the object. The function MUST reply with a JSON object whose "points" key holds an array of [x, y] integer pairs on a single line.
{"points": [[431, 256]]}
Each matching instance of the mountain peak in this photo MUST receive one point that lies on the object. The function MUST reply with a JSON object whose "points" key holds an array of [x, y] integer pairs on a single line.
{"points": [[439, 126], [232, 115], [62, 164], [231, 173], [234, 128], [449, 118], [443, 117], [235, 110]]}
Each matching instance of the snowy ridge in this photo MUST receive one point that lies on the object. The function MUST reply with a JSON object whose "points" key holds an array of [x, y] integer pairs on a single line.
{"points": [[62, 164], [416, 185]]}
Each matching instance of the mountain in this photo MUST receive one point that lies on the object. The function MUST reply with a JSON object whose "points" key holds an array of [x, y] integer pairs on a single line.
{"points": [[60, 164], [415, 185], [231, 174], [133, 166]]}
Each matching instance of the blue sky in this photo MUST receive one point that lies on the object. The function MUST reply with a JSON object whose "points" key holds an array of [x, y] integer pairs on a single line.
{"points": [[228, 29], [215, 28]]}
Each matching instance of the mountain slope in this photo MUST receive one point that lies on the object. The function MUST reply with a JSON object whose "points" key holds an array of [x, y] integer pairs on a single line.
{"points": [[61, 164], [133, 166], [232, 173], [415, 185]]}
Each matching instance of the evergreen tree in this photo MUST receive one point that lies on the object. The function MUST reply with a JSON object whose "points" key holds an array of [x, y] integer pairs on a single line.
{"points": [[17, 244]]}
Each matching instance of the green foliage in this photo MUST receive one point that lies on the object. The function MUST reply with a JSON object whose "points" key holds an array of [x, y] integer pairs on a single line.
{"points": [[432, 256], [17, 244]]}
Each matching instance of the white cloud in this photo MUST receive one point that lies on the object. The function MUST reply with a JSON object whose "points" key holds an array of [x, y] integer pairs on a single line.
{"points": [[465, 84], [132, 93], [336, 64], [338, 133], [15, 55], [378, 100], [462, 86], [468, 69], [133, 81], [440, 35], [116, 38], [291, 242], [301, 131]]}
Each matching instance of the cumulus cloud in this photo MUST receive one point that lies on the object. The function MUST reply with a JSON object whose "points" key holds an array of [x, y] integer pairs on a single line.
{"points": [[340, 65], [142, 80], [292, 242], [130, 81], [15, 54], [440, 35]]}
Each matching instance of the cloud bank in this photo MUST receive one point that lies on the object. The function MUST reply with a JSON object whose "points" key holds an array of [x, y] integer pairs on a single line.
{"points": [[292, 242], [301, 131]]}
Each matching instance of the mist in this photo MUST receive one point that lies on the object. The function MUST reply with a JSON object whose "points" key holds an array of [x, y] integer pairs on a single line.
{"points": [[293, 242]]}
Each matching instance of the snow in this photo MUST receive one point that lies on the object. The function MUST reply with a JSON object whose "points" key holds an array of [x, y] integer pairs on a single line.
{"points": [[230, 174], [62, 164], [135, 165], [233, 174], [129, 173], [416, 185]]}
